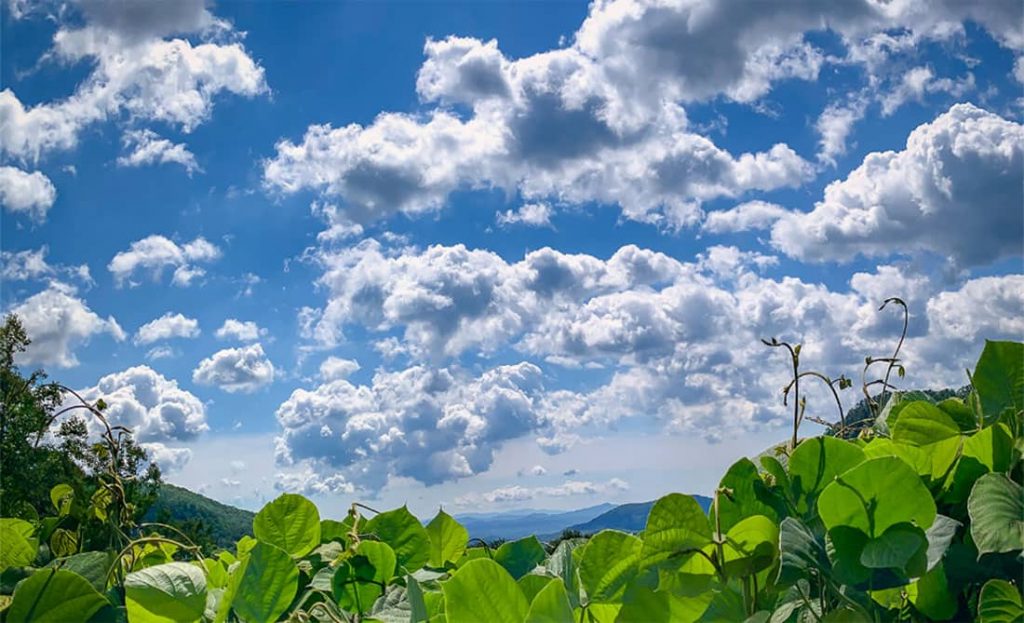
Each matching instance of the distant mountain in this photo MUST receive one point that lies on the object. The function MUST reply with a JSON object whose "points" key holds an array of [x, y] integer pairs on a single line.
{"points": [[226, 523], [517, 524], [625, 517]]}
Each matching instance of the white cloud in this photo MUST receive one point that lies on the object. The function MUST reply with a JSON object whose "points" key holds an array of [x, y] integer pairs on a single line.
{"points": [[744, 217], [161, 352], [835, 125], [243, 331], [917, 83], [146, 147], [601, 120], [154, 254], [169, 459], [32, 194], [243, 369], [305, 481], [31, 265], [335, 368], [430, 425], [136, 75], [518, 493], [58, 322], [965, 168], [529, 214], [167, 327], [152, 406]]}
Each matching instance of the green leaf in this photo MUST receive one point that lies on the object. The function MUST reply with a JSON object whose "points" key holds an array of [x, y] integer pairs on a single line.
{"points": [[419, 612], [533, 583], [551, 605], [895, 548], [922, 423], [448, 539], [521, 556], [800, 552], [814, 465], [643, 605], [750, 546], [361, 579], [1000, 602], [481, 590], [999, 379], [933, 597], [563, 563], [750, 496], [170, 593], [676, 523], [291, 522], [267, 585], [877, 494], [331, 530], [61, 496], [996, 507], [63, 542], [961, 414], [54, 596], [610, 562], [939, 536], [93, 566], [405, 534], [19, 546]]}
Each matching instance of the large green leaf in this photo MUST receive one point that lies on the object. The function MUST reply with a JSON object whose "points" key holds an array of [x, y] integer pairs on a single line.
{"points": [[932, 597], [174, 592], [551, 605], [481, 590], [609, 564], [61, 496], [562, 563], [988, 450], [448, 539], [291, 522], [996, 507], [533, 583], [1000, 602], [750, 546], [405, 534], [801, 552], [814, 465], [675, 525], [922, 423], [92, 566], [643, 605], [521, 556], [19, 544], [267, 585], [999, 379], [877, 494], [54, 596], [361, 579], [331, 530], [897, 548], [749, 495]]}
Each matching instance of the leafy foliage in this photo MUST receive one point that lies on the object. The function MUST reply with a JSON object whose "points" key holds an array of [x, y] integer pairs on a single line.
{"points": [[917, 518]]}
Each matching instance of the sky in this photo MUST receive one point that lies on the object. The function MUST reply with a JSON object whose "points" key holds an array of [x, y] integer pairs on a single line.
{"points": [[499, 255]]}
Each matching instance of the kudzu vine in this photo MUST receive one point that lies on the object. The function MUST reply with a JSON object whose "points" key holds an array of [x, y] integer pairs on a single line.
{"points": [[920, 517]]}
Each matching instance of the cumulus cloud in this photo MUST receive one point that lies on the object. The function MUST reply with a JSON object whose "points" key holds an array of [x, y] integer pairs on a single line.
{"points": [[965, 168], [154, 407], [244, 369], [423, 423], [136, 74], [601, 121], [680, 343], [744, 217], [31, 265], [529, 214], [518, 493], [335, 368], [161, 352], [58, 322], [168, 459], [167, 327], [31, 194], [243, 331], [155, 254], [145, 147]]}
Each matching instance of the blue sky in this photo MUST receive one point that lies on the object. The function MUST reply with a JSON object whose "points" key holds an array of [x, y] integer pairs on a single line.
{"points": [[496, 255]]}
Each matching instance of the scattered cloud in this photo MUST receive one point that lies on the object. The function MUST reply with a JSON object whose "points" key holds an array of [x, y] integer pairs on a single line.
{"points": [[242, 331], [335, 368], [167, 327], [31, 194], [146, 147], [31, 265], [243, 369], [168, 459], [155, 254], [744, 217], [58, 322], [518, 493], [529, 215]]}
